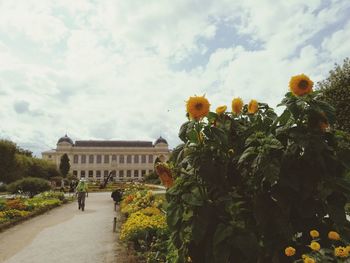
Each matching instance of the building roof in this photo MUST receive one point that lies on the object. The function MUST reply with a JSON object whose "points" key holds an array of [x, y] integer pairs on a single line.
{"points": [[160, 140], [65, 138], [135, 144]]}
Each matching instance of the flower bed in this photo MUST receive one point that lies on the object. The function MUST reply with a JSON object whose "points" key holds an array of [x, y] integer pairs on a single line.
{"points": [[17, 209], [145, 224]]}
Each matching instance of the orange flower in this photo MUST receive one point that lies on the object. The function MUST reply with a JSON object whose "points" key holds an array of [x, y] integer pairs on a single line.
{"points": [[253, 107], [237, 105], [129, 198], [289, 251], [333, 235], [300, 85]]}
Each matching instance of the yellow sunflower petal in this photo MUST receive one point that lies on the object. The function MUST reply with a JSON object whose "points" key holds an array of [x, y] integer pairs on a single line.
{"points": [[220, 110], [253, 107], [237, 105], [300, 85], [197, 107]]}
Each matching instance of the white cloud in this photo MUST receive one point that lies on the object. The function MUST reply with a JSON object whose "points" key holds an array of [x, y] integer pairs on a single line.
{"points": [[103, 69], [336, 45]]}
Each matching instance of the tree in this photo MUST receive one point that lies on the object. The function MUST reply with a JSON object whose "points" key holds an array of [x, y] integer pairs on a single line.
{"points": [[64, 165], [8, 162], [336, 91]]}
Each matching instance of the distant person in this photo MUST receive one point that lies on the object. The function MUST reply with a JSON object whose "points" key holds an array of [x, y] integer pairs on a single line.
{"points": [[82, 192], [117, 196]]}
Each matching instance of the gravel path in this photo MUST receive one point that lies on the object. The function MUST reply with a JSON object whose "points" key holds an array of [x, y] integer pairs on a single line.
{"points": [[65, 235]]}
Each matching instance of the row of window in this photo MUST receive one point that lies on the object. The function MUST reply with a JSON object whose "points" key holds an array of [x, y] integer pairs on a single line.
{"points": [[105, 173], [114, 158]]}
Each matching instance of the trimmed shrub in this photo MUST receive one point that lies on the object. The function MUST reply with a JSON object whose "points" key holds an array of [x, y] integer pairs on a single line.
{"points": [[29, 186]]}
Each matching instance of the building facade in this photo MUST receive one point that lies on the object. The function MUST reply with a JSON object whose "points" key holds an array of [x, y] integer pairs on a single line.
{"points": [[95, 160]]}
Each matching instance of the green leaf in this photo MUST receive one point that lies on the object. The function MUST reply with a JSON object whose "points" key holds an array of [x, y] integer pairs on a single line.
{"points": [[220, 135], [193, 198], [200, 224], [221, 248], [192, 136], [212, 116], [183, 130], [248, 153], [174, 216]]}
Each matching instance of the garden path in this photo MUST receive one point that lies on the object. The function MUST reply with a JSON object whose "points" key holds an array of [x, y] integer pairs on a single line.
{"points": [[64, 234]]}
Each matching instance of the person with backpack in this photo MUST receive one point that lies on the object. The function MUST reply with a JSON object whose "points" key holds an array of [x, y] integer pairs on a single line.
{"points": [[82, 192]]}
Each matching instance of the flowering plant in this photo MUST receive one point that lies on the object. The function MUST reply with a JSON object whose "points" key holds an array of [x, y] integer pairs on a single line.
{"points": [[332, 249], [248, 179]]}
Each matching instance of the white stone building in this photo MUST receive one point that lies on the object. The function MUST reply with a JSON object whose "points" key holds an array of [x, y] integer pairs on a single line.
{"points": [[94, 160]]}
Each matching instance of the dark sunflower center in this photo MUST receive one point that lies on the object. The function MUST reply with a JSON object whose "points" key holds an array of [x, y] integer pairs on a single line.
{"points": [[199, 106], [303, 84]]}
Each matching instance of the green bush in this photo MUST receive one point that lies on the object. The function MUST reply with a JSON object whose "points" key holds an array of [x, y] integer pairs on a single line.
{"points": [[29, 186]]}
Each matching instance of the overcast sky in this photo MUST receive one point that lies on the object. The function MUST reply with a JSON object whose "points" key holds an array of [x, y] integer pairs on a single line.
{"points": [[124, 69]]}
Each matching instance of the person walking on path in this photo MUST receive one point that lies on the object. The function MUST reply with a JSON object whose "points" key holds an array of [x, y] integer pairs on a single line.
{"points": [[82, 192]]}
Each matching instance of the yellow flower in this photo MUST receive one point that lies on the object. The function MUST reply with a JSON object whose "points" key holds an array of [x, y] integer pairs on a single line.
{"points": [[315, 246], [289, 251], [309, 260], [333, 235], [314, 233], [197, 107], [237, 105], [231, 152], [220, 110], [300, 85], [341, 252], [253, 107], [348, 248]]}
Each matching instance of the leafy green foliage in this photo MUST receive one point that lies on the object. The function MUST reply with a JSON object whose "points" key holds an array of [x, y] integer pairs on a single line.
{"points": [[16, 163], [64, 165], [30, 186], [8, 162], [247, 184], [336, 91]]}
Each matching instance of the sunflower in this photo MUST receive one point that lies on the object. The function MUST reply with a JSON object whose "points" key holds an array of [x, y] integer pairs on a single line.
{"points": [[237, 105], [253, 107], [197, 107], [220, 110], [300, 85], [164, 174]]}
